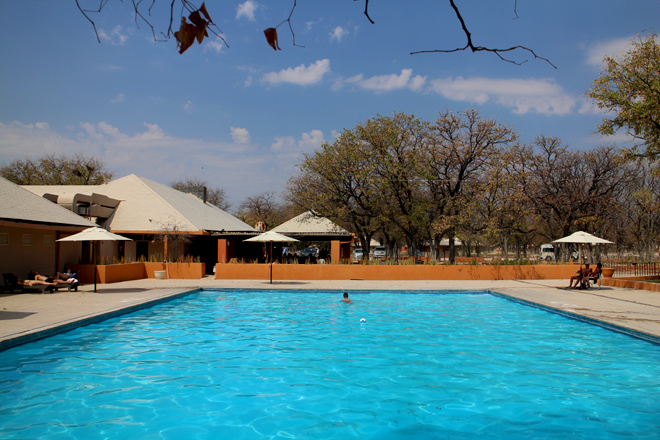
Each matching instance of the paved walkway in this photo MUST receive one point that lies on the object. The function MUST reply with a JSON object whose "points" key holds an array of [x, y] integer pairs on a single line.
{"points": [[22, 316]]}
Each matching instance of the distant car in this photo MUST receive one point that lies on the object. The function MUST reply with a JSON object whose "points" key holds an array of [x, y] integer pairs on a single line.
{"points": [[358, 254], [380, 252], [308, 252]]}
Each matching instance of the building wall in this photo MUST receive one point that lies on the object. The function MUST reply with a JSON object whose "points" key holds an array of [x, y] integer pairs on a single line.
{"points": [[23, 249]]}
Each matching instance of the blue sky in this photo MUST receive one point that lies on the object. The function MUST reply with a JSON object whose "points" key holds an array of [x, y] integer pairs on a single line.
{"points": [[241, 117]]}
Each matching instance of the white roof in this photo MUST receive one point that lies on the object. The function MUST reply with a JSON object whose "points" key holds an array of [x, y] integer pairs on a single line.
{"points": [[151, 206], [20, 205], [310, 224]]}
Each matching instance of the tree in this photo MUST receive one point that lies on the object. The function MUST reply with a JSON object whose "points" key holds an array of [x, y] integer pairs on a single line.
{"points": [[54, 170], [337, 182], [629, 87], [569, 190], [197, 186], [195, 24], [262, 208], [463, 147]]}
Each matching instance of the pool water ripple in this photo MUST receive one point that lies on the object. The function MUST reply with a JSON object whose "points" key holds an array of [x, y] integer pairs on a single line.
{"points": [[266, 365]]}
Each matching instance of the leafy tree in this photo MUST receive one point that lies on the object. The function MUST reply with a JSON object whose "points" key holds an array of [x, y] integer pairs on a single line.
{"points": [[463, 147], [396, 148], [195, 185], [337, 182], [629, 86], [54, 170]]}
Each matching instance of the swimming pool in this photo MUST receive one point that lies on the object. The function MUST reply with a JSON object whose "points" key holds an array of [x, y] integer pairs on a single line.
{"points": [[292, 365]]}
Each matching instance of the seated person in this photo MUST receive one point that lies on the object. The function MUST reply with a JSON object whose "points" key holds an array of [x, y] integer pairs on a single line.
{"points": [[577, 279], [593, 276], [68, 278]]}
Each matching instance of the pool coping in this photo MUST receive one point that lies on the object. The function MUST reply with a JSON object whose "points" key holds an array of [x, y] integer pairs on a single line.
{"points": [[105, 315], [91, 319], [604, 324]]}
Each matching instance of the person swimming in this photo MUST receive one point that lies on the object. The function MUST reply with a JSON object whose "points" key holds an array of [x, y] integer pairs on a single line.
{"points": [[346, 298]]}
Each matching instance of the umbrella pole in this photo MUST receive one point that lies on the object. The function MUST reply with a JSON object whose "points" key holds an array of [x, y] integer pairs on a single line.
{"points": [[271, 262], [94, 258]]}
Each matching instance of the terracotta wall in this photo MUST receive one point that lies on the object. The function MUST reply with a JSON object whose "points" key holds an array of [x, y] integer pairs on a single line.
{"points": [[632, 283], [177, 271], [114, 273], [392, 272]]}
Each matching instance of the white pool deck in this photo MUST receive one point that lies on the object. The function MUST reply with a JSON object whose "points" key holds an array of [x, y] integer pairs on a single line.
{"points": [[28, 316]]}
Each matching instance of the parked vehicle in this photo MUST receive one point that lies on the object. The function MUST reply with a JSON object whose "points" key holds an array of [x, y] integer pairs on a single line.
{"points": [[547, 252], [308, 252], [380, 252], [358, 254]]}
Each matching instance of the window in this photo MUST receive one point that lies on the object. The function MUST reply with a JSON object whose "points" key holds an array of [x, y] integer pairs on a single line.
{"points": [[4, 239], [48, 240], [27, 239]]}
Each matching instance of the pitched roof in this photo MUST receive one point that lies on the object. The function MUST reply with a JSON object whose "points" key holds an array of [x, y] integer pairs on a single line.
{"points": [[20, 205], [310, 225], [151, 206]]}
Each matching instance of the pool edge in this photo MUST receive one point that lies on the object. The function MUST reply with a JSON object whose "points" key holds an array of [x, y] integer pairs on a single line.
{"points": [[606, 325], [103, 316]]}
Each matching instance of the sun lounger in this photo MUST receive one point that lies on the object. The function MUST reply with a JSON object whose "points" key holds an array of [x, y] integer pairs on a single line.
{"points": [[12, 284]]}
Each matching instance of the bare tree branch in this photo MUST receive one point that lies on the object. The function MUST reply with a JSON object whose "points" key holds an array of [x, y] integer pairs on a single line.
{"points": [[366, 11], [288, 20], [470, 45]]}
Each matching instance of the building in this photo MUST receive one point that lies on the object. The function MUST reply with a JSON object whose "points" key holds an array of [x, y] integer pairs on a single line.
{"points": [[29, 229], [162, 221]]}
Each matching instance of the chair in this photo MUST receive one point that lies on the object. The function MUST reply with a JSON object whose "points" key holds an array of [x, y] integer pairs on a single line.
{"points": [[593, 278], [11, 283]]}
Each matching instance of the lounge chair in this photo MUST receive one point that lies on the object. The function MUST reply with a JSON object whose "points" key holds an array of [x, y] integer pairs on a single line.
{"points": [[11, 283]]}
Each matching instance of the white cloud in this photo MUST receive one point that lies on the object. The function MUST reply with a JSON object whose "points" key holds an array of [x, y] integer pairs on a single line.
{"points": [[338, 33], [188, 106], [288, 148], [118, 98], [542, 96], [240, 135], [215, 45], [387, 83], [116, 36], [240, 168], [612, 48], [246, 9], [300, 75]]}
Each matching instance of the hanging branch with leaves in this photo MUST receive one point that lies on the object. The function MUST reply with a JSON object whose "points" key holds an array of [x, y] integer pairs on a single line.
{"points": [[196, 24]]}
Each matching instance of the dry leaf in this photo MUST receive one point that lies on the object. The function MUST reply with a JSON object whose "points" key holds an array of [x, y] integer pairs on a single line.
{"points": [[202, 9], [185, 35], [271, 37], [200, 24]]}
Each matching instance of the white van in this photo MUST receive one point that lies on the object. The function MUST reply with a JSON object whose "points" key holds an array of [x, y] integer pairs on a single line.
{"points": [[547, 252]]}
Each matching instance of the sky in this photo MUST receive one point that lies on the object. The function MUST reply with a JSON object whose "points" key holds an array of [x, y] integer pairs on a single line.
{"points": [[241, 115]]}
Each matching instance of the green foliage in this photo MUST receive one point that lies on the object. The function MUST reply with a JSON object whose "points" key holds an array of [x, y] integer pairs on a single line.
{"points": [[629, 86]]}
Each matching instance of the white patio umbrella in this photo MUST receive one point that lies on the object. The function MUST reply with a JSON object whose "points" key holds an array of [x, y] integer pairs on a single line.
{"points": [[94, 234], [581, 237], [270, 237]]}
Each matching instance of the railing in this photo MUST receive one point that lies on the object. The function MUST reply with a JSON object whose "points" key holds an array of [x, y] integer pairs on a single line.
{"points": [[634, 269]]}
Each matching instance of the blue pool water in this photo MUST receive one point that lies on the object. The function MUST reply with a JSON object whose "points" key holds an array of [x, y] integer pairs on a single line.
{"points": [[302, 365]]}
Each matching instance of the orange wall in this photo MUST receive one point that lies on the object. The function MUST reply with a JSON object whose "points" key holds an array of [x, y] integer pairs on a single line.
{"points": [[632, 283], [392, 272], [114, 273], [178, 271]]}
